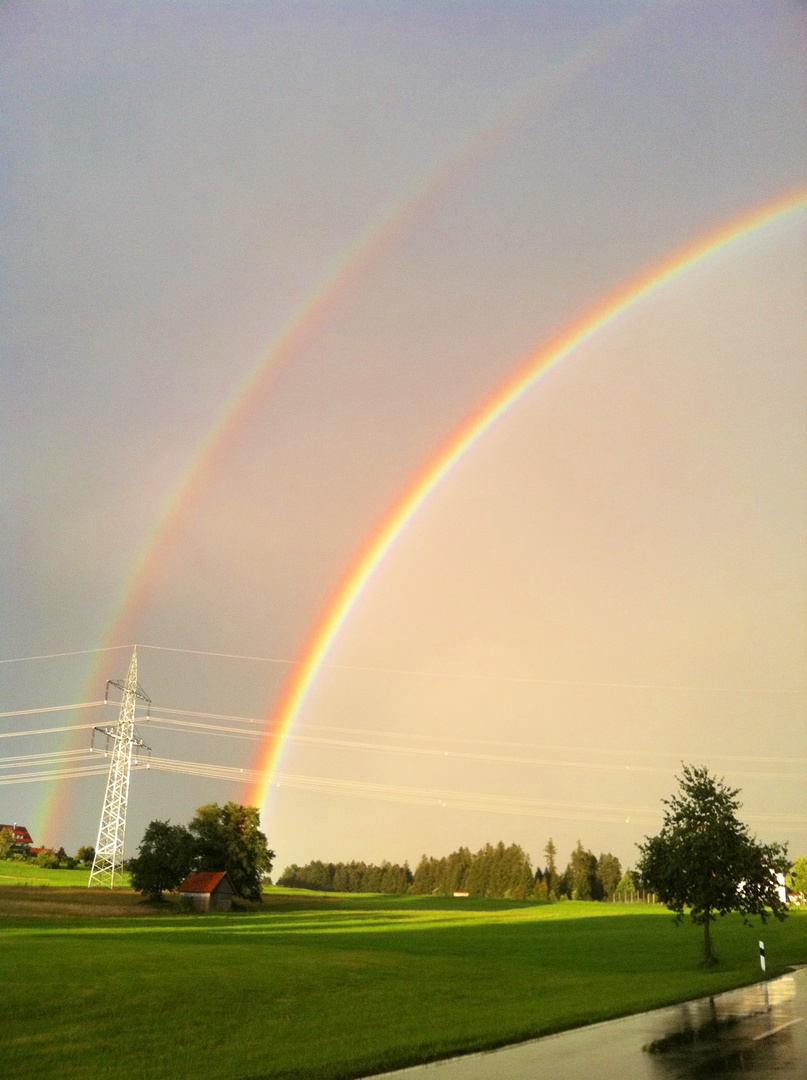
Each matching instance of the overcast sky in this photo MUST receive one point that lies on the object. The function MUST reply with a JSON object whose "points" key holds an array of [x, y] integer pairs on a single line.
{"points": [[614, 578]]}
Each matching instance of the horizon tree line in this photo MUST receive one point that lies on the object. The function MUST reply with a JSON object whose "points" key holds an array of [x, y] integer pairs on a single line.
{"points": [[495, 871]]}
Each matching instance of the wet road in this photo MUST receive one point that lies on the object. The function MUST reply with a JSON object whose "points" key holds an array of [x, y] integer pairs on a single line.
{"points": [[730, 1035]]}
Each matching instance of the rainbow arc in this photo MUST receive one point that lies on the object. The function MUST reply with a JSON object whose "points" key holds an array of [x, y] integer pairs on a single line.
{"points": [[359, 574]]}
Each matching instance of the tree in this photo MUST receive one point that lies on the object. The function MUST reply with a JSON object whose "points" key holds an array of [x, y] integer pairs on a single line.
{"points": [[164, 859], [626, 885], [581, 875], [229, 838], [609, 872], [47, 858], [86, 854], [6, 843], [551, 876], [705, 860], [797, 878]]}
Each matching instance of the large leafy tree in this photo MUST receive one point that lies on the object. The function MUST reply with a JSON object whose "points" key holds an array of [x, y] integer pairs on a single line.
{"points": [[229, 838], [705, 860], [164, 859], [797, 879], [86, 854], [6, 843]]}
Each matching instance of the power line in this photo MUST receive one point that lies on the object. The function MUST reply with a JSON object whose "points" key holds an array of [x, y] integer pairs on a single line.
{"points": [[221, 731], [54, 774], [452, 755], [445, 799], [425, 673], [474, 676], [52, 708], [45, 731], [20, 760], [54, 655], [482, 742]]}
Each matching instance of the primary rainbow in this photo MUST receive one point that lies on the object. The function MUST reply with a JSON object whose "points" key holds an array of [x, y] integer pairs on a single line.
{"points": [[369, 558]]}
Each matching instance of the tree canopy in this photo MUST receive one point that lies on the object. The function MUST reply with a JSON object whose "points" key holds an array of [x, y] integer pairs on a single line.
{"points": [[495, 870], [704, 858], [608, 872], [797, 879], [224, 838], [229, 838], [6, 842], [164, 861], [580, 877], [356, 877], [551, 873], [86, 854], [626, 885]]}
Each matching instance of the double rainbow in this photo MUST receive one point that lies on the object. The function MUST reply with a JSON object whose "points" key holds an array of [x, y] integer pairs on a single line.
{"points": [[356, 259]]}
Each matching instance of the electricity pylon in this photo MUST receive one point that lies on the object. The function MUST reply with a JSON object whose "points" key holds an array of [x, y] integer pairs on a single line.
{"points": [[109, 849]]}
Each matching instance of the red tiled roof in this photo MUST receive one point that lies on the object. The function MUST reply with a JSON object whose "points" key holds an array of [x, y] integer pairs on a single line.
{"points": [[205, 882], [21, 834]]}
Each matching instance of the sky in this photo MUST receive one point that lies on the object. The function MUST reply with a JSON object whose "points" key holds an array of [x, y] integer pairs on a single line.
{"points": [[261, 261]]}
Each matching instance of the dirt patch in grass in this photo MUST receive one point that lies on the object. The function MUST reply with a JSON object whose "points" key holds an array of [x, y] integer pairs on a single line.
{"points": [[41, 901], [24, 901]]}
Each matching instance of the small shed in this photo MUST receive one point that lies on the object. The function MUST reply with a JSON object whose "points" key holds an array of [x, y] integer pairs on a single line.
{"points": [[208, 891]]}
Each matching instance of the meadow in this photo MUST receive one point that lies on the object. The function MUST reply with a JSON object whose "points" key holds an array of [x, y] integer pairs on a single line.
{"points": [[329, 986], [24, 873]]}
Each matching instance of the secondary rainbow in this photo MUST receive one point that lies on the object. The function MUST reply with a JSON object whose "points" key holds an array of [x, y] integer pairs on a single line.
{"points": [[391, 526], [358, 256]]}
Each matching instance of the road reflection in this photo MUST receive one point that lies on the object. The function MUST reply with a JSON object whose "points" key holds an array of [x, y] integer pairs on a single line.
{"points": [[758, 1031]]}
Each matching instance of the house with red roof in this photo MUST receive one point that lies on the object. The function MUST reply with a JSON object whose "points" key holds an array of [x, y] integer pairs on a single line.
{"points": [[207, 891], [22, 838]]}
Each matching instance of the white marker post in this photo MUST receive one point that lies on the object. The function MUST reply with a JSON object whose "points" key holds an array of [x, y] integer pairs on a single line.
{"points": [[762, 965]]}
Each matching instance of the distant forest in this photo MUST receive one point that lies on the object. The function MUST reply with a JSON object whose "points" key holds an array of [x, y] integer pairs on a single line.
{"points": [[494, 871]]}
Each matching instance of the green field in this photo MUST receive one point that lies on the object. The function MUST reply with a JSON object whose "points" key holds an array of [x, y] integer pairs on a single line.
{"points": [[21, 873], [316, 986]]}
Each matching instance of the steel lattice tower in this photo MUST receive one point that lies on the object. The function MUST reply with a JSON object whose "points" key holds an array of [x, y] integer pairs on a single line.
{"points": [[109, 848]]}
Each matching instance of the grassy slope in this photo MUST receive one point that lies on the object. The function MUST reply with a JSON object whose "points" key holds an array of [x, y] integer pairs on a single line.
{"points": [[19, 873], [327, 987]]}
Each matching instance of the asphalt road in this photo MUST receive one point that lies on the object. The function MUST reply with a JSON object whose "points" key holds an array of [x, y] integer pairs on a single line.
{"points": [[736, 1034]]}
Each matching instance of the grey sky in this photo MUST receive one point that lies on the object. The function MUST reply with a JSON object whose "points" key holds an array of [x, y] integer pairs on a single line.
{"points": [[179, 179]]}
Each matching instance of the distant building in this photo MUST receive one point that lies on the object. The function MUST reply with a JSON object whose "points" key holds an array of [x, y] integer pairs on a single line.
{"points": [[780, 887], [208, 891], [22, 838]]}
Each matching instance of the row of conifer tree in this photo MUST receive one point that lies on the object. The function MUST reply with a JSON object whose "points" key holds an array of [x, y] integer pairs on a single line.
{"points": [[493, 871]]}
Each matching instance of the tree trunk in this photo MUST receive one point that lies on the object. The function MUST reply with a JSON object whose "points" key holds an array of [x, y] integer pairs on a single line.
{"points": [[707, 939]]}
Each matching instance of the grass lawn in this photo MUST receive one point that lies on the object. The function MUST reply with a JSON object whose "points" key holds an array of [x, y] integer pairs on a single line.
{"points": [[320, 986], [20, 873]]}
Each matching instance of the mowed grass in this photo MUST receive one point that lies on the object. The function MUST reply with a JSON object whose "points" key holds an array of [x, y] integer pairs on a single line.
{"points": [[321, 986], [20, 873]]}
